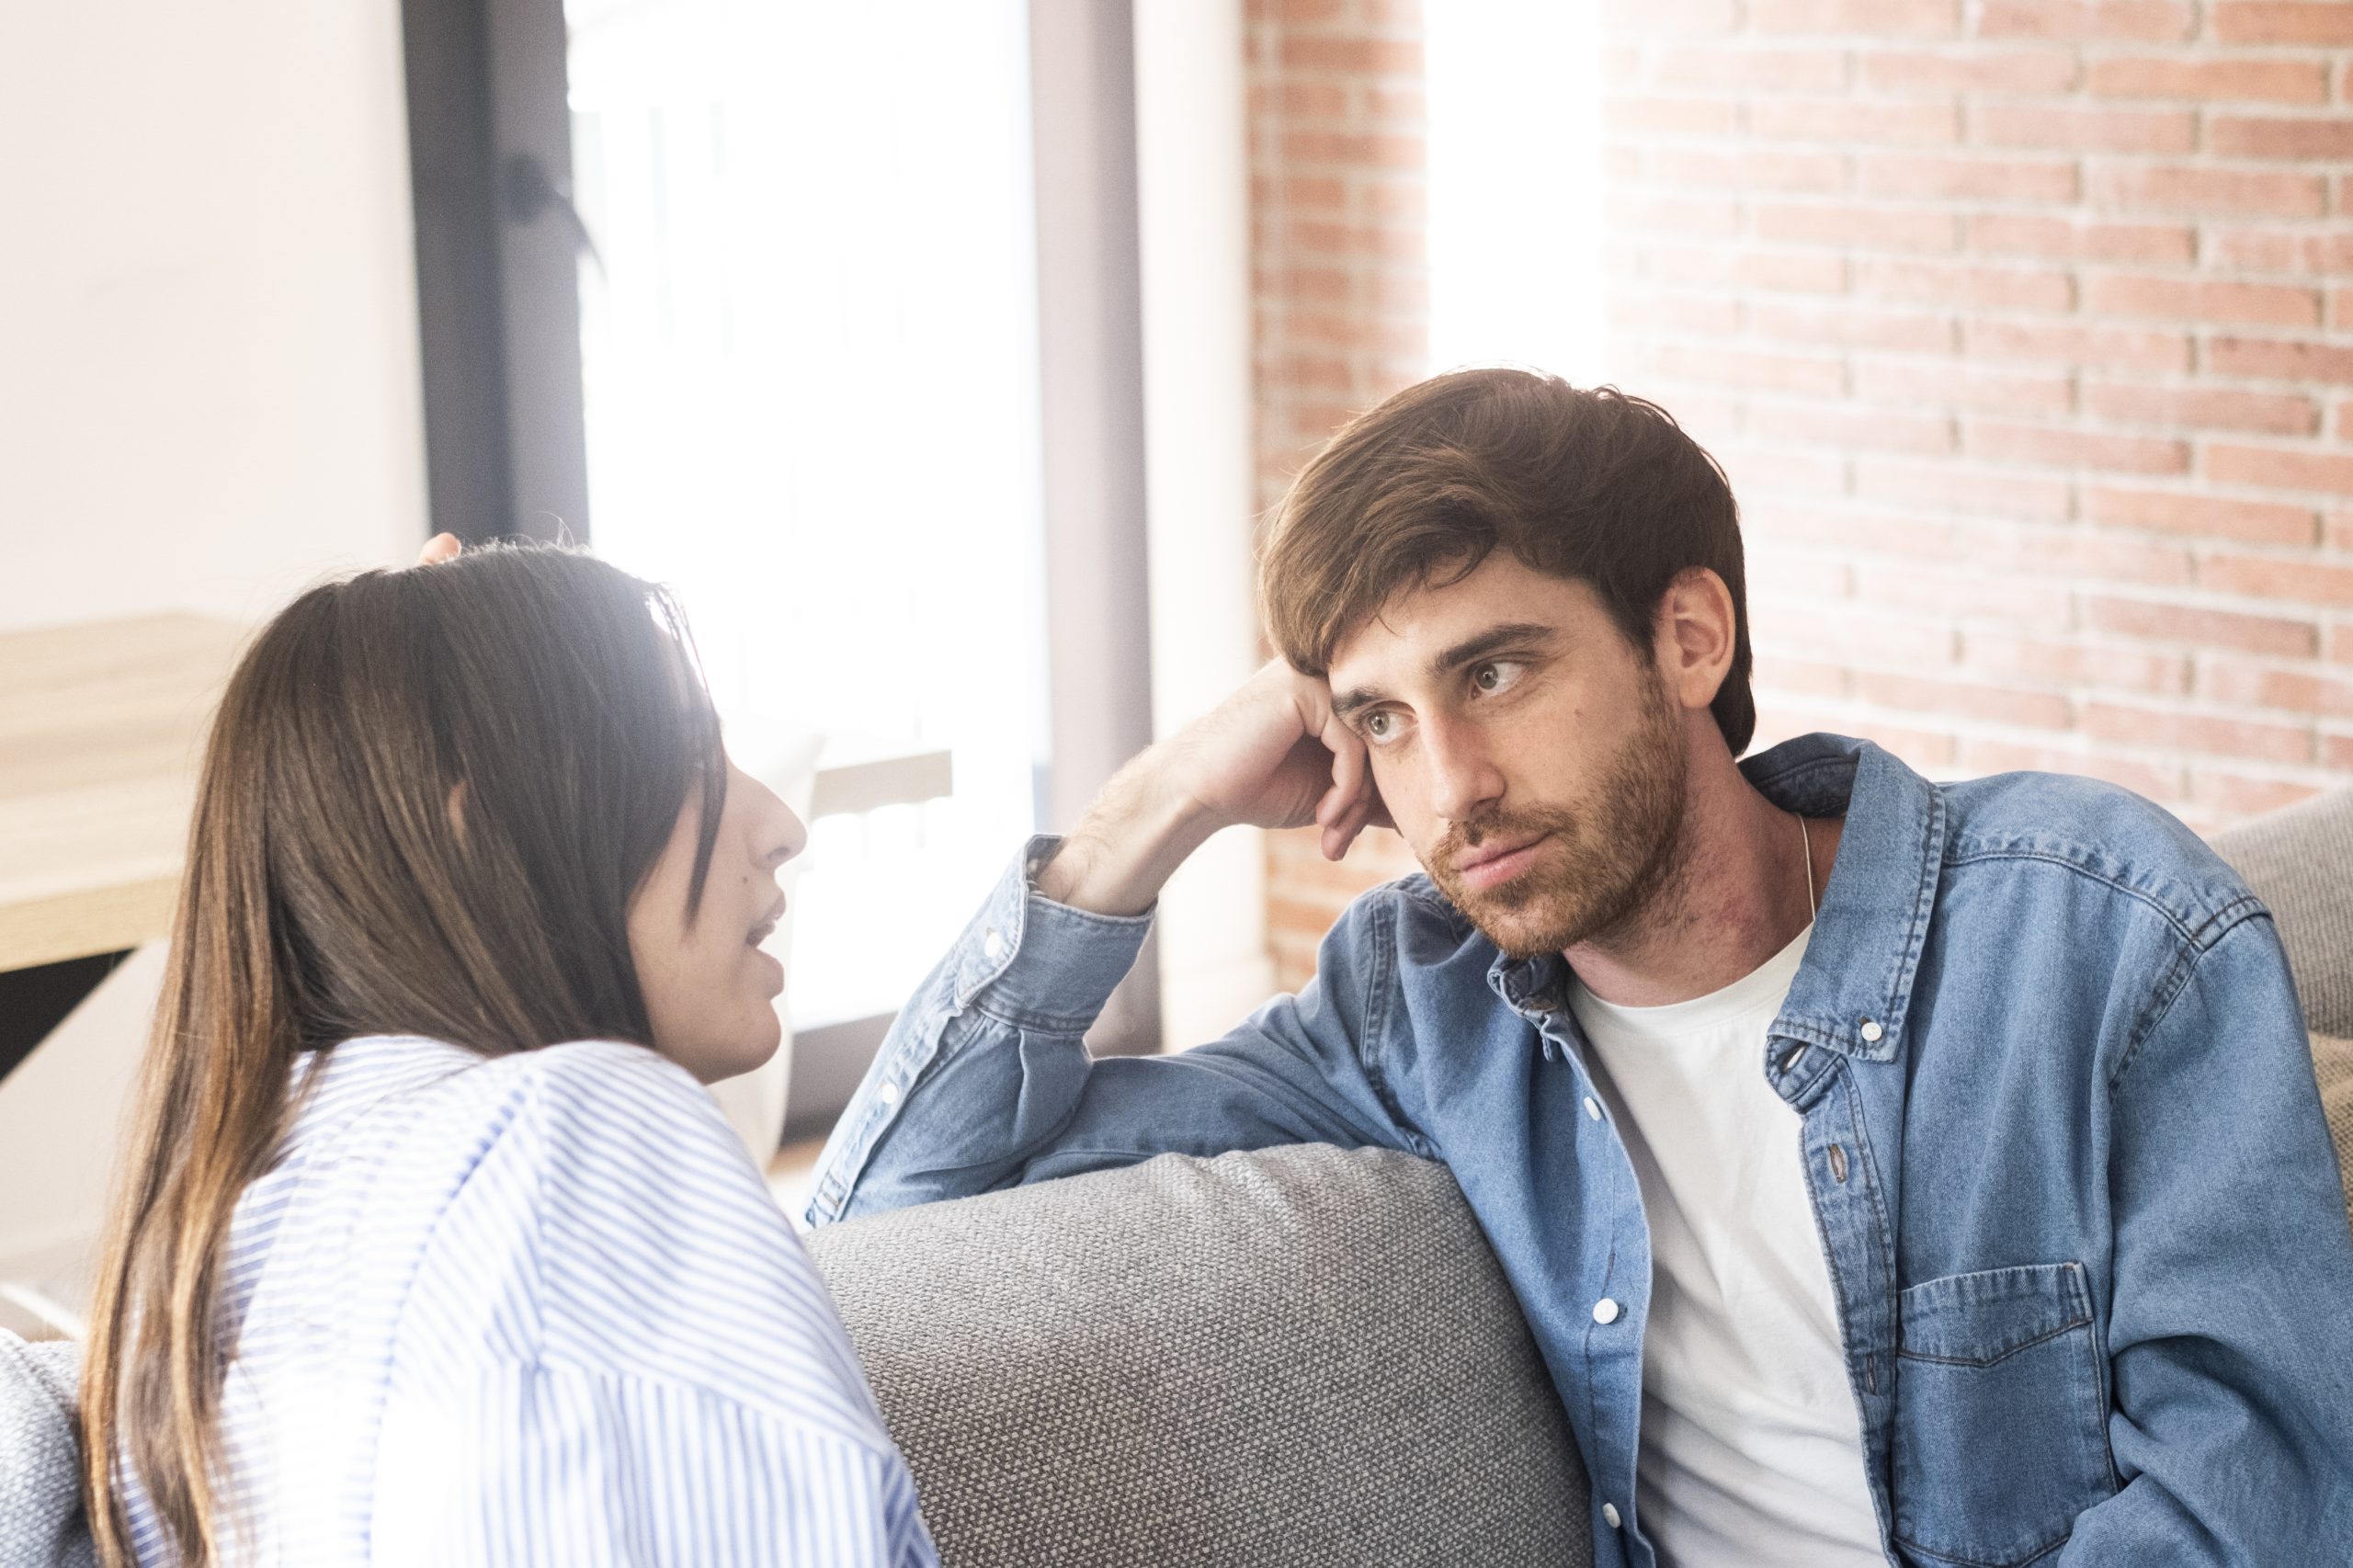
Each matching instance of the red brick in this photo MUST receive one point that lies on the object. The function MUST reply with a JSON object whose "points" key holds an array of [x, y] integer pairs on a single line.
{"points": [[2079, 240], [2273, 414], [1789, 573], [1846, 425], [1790, 271], [2340, 645], [1971, 288], [2163, 511], [2144, 21], [2282, 250], [2055, 446], [1317, 193], [2170, 188], [2281, 359], [1809, 677], [1977, 596], [2246, 136], [1713, 217], [2078, 553], [1763, 70], [1872, 227], [2111, 348], [2345, 421], [1733, 368], [2164, 622], [1873, 17], [1656, 116], [2162, 729], [1394, 105], [1669, 17], [1966, 179], [1308, 100], [2298, 581], [1777, 467], [2328, 23], [1354, 56], [2279, 468], [1968, 699], [1962, 386], [2159, 781], [1963, 488], [2253, 304], [1394, 199], [2083, 130], [1811, 522], [1907, 332], [1838, 633], [1778, 169], [2052, 662], [1713, 315], [2219, 80], [1352, 150], [2336, 752], [2236, 797], [2018, 70], [2340, 309], [1854, 121]]}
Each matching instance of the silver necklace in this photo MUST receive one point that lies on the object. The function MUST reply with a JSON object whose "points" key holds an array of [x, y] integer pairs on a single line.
{"points": [[1805, 836]]}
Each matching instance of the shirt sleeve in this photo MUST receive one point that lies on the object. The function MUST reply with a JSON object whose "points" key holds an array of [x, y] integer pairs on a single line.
{"points": [[984, 1080], [661, 1378], [2229, 1341]]}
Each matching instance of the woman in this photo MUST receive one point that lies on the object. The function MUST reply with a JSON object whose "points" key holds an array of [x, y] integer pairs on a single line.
{"points": [[429, 1246]]}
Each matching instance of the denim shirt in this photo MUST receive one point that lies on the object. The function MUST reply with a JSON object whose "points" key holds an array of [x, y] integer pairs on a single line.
{"points": [[2065, 1154]]}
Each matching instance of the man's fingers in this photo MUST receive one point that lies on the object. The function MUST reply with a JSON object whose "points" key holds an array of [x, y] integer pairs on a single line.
{"points": [[439, 548]]}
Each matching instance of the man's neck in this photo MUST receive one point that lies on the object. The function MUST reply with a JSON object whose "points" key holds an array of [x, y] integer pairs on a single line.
{"points": [[1736, 894]]}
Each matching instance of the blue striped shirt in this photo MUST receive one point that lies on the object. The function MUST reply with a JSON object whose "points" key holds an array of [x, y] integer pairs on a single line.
{"points": [[535, 1308]]}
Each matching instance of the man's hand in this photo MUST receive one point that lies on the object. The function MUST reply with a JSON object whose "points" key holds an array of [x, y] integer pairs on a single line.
{"points": [[439, 548], [1273, 755]]}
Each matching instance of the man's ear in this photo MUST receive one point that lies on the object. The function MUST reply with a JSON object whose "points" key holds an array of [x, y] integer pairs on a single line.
{"points": [[1697, 629]]}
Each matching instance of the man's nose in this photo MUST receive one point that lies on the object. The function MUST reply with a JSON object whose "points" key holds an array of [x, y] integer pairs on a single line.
{"points": [[1465, 783]]}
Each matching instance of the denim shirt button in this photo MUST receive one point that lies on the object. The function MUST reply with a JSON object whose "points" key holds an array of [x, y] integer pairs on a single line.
{"points": [[1609, 1515], [1872, 1031], [993, 943], [887, 1092], [1592, 1108], [1605, 1311]]}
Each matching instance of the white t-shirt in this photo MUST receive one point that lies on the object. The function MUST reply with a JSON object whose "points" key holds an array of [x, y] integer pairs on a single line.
{"points": [[1750, 1443]]}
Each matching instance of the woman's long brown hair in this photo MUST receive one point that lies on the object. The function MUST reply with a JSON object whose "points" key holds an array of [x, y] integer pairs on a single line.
{"points": [[426, 802]]}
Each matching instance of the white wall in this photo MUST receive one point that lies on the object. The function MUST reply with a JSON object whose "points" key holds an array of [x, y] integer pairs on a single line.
{"points": [[209, 391], [1192, 189], [207, 317]]}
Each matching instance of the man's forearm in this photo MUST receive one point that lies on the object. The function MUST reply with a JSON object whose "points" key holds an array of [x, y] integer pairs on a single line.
{"points": [[1130, 842]]}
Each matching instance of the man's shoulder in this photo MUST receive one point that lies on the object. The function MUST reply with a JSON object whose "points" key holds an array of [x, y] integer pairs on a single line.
{"points": [[2062, 824], [1411, 914]]}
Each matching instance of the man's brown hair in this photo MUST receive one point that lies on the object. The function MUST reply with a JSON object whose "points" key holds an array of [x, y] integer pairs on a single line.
{"points": [[1593, 485]]}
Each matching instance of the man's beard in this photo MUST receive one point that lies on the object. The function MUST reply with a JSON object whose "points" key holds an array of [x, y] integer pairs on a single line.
{"points": [[1604, 861]]}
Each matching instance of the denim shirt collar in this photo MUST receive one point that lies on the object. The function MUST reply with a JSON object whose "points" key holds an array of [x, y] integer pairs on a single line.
{"points": [[1853, 993]]}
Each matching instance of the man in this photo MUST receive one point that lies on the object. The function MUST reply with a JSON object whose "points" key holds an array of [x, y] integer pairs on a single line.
{"points": [[1890, 1171]]}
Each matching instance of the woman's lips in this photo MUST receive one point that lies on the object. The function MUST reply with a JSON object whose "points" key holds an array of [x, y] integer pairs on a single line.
{"points": [[1492, 866], [768, 924]]}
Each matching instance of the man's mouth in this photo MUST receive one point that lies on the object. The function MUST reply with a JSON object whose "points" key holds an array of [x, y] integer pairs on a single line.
{"points": [[1497, 860]]}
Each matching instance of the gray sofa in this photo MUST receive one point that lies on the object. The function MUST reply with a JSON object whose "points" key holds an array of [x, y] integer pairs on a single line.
{"points": [[1300, 1355]]}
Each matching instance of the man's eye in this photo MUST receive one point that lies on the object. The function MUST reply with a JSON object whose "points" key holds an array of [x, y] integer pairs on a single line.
{"points": [[1494, 675], [1376, 726]]}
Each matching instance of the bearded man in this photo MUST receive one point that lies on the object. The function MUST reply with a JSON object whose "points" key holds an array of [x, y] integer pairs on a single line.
{"points": [[1890, 1171]]}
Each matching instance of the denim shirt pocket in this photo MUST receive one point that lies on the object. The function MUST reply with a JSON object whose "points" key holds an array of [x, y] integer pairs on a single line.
{"points": [[2001, 1416]]}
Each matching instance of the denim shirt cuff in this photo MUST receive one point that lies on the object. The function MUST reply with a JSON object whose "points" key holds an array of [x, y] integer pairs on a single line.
{"points": [[1026, 960]]}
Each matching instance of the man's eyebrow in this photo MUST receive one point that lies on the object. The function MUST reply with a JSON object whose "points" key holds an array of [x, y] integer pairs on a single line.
{"points": [[1469, 651]]}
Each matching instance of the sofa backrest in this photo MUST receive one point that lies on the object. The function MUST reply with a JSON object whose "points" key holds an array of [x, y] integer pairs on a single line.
{"points": [[1300, 1355], [2300, 861]]}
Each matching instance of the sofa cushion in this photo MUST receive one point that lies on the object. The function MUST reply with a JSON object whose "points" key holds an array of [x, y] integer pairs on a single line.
{"points": [[1301, 1355], [2299, 860], [2333, 1065]]}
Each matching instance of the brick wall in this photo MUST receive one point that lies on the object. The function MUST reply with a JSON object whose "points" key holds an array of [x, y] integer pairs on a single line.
{"points": [[2025, 329], [1342, 306]]}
